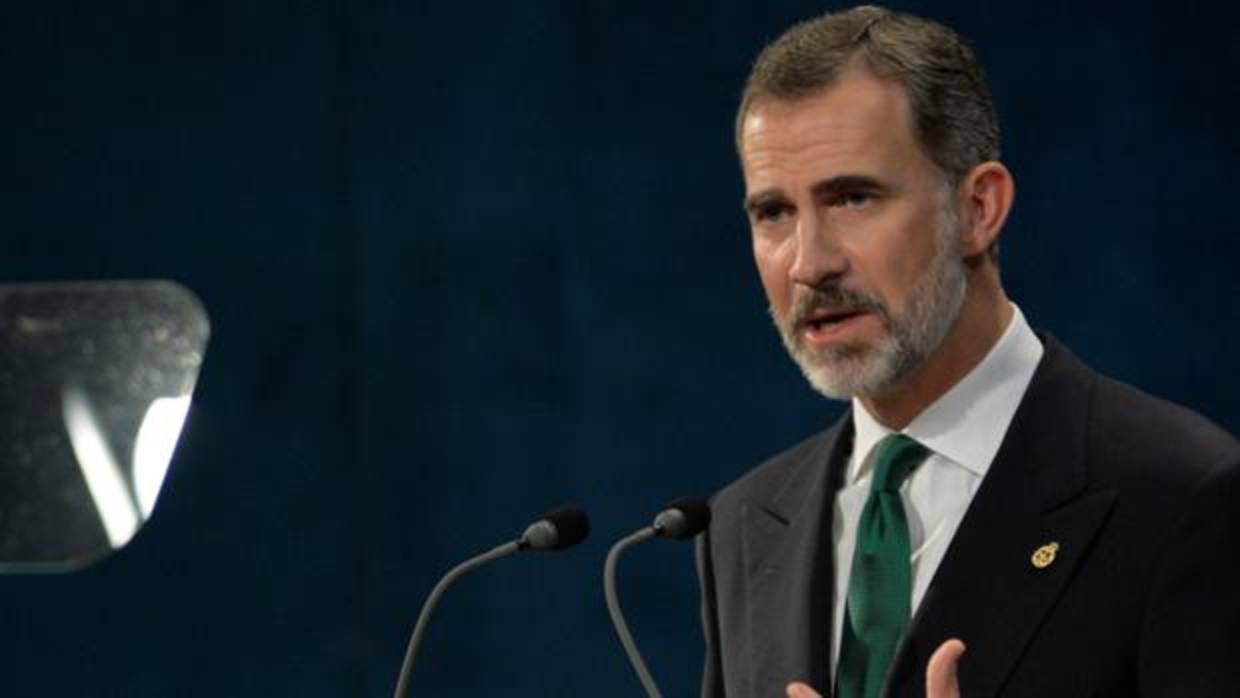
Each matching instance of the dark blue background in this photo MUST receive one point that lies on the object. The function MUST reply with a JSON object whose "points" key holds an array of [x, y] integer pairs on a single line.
{"points": [[469, 260]]}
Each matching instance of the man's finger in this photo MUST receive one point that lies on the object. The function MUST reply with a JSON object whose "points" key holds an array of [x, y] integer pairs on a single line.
{"points": [[800, 690], [941, 681]]}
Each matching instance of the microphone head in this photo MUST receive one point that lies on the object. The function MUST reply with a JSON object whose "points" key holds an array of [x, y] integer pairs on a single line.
{"points": [[557, 529], [683, 518]]}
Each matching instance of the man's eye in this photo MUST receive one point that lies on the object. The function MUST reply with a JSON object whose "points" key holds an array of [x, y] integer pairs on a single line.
{"points": [[854, 199], [769, 213]]}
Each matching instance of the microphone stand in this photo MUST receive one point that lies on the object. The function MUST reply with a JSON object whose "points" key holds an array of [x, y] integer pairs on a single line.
{"points": [[406, 668], [557, 529], [613, 607]]}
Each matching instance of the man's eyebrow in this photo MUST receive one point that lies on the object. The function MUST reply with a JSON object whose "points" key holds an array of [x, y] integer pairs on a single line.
{"points": [[846, 183], [828, 187]]}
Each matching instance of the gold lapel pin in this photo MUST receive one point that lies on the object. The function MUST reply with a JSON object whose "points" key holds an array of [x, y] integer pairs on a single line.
{"points": [[1044, 556]]}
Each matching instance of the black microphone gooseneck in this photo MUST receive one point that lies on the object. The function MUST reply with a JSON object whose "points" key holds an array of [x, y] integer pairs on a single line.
{"points": [[683, 518], [556, 530]]}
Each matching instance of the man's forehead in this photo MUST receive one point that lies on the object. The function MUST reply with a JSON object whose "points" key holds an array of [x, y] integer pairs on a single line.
{"points": [[791, 132], [860, 119], [857, 99]]}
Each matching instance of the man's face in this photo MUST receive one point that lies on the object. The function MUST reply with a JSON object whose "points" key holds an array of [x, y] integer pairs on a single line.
{"points": [[855, 234]]}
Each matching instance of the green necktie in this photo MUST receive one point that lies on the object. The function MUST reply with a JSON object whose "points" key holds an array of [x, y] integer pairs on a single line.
{"points": [[879, 588]]}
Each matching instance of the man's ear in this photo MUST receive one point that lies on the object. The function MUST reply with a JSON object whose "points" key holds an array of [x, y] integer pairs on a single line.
{"points": [[985, 198]]}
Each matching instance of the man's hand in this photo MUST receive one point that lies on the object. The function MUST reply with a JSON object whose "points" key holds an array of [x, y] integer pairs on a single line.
{"points": [[940, 674], [941, 670]]}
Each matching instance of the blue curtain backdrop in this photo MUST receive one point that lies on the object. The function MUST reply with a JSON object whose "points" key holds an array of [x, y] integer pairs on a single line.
{"points": [[466, 261]]}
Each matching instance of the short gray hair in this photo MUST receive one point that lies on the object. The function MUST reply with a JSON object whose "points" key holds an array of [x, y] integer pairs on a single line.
{"points": [[952, 111]]}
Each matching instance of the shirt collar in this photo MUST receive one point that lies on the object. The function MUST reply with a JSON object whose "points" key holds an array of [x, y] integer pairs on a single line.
{"points": [[967, 423]]}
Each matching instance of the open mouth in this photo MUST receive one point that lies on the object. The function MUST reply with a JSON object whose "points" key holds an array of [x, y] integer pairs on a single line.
{"points": [[829, 326], [826, 320]]}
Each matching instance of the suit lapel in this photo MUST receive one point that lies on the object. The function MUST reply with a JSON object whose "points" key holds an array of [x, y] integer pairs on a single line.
{"points": [[788, 563], [988, 591]]}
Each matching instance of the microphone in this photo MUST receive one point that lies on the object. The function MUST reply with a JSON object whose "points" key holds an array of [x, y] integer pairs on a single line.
{"points": [[682, 518], [557, 529]]}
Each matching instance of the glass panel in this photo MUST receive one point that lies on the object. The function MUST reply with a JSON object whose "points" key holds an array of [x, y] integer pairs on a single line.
{"points": [[95, 384]]}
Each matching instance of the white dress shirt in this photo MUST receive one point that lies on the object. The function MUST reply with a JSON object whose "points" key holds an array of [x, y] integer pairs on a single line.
{"points": [[963, 430]]}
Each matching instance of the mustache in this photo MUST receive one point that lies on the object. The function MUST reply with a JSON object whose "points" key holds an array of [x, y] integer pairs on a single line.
{"points": [[834, 296]]}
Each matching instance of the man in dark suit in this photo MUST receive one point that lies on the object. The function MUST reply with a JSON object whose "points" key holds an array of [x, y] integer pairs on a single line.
{"points": [[986, 486]]}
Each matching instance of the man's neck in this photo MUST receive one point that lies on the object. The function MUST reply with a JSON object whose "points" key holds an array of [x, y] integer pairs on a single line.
{"points": [[983, 318]]}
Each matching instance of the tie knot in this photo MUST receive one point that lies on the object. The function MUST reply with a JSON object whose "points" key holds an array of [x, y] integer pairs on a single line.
{"points": [[896, 456]]}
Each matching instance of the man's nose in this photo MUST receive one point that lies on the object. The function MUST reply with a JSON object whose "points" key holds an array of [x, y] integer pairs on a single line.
{"points": [[818, 254]]}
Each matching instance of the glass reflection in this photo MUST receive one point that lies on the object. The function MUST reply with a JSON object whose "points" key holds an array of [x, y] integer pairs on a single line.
{"points": [[95, 386]]}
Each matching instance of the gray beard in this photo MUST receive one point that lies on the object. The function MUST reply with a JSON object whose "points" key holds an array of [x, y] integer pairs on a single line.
{"points": [[934, 304]]}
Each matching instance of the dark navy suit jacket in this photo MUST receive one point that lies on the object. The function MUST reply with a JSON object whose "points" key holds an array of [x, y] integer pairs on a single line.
{"points": [[1142, 598]]}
